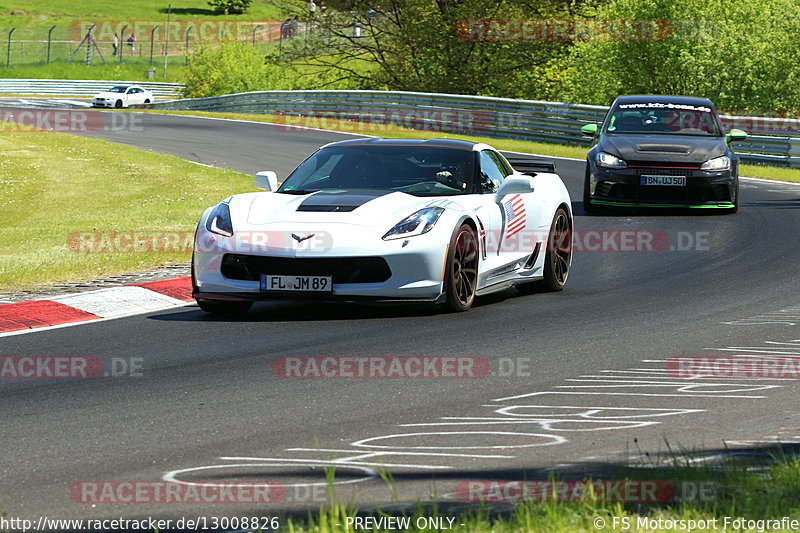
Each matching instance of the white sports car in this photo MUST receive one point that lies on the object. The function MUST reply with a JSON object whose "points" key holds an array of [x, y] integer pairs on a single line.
{"points": [[439, 221], [122, 96]]}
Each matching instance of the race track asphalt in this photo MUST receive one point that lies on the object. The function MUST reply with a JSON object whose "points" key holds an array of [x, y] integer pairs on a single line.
{"points": [[580, 378]]}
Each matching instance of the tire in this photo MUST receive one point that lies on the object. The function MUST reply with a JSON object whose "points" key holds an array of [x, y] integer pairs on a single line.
{"points": [[587, 197], [557, 259], [146, 100], [461, 280], [118, 104], [735, 207], [224, 308]]}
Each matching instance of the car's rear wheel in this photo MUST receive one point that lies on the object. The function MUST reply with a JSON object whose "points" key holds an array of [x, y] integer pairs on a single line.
{"points": [[224, 308], [118, 104], [461, 280], [558, 257]]}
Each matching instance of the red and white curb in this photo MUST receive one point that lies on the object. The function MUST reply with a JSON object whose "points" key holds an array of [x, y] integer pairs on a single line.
{"points": [[102, 304]]}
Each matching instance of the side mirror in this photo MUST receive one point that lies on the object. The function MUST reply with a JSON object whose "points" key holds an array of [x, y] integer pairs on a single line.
{"points": [[515, 185], [266, 180], [590, 130], [737, 135]]}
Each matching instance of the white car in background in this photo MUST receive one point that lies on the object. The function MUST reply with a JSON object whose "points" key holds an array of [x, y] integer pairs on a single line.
{"points": [[439, 221], [121, 96]]}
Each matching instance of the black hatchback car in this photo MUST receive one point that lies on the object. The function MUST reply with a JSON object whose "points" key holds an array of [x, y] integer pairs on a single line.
{"points": [[662, 151]]}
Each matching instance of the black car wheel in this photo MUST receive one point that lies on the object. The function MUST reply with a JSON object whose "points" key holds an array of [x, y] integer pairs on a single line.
{"points": [[462, 270], [558, 257], [735, 207], [587, 197], [224, 308], [118, 104]]}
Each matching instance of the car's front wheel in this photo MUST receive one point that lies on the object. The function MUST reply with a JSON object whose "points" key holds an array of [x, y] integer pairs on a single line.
{"points": [[461, 280], [587, 197], [118, 104], [224, 308]]}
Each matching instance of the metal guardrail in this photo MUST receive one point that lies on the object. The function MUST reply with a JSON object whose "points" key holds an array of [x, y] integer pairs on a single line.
{"points": [[773, 141], [83, 87]]}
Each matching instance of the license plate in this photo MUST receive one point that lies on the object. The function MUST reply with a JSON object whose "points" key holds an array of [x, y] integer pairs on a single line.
{"points": [[673, 181], [296, 283]]}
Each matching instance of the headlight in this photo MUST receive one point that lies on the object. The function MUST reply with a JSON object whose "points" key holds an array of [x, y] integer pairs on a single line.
{"points": [[607, 160], [611, 161], [718, 163], [420, 222], [219, 221]]}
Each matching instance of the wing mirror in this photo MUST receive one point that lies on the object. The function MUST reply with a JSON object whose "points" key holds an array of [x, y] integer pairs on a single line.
{"points": [[267, 180], [737, 135], [515, 185], [590, 130]]}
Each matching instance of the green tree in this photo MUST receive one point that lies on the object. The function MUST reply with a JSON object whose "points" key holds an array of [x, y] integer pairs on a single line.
{"points": [[742, 55], [451, 46], [230, 7]]}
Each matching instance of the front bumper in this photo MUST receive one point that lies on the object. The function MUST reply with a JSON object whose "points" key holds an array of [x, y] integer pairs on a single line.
{"points": [[623, 187], [103, 103], [413, 272]]}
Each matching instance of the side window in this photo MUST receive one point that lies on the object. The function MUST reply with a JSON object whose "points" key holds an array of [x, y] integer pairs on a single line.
{"points": [[491, 175], [502, 164]]}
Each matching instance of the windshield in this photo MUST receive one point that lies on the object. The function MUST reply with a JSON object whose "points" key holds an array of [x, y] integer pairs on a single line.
{"points": [[663, 119], [420, 171], [118, 89]]}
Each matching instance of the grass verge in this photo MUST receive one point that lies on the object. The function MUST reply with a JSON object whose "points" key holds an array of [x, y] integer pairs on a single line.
{"points": [[546, 149], [729, 495], [55, 187]]}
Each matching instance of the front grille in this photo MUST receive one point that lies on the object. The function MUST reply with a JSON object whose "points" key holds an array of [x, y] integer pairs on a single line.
{"points": [[654, 165], [342, 269], [663, 172]]}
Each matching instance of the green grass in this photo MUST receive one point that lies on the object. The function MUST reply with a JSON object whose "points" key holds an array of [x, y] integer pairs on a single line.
{"points": [[738, 492], [53, 185], [28, 59], [546, 149]]}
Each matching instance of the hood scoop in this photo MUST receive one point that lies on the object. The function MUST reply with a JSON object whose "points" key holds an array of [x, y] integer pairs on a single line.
{"points": [[664, 148], [338, 201]]}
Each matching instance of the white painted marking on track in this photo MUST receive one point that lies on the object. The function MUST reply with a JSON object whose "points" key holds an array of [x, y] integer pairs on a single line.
{"points": [[556, 439], [386, 452], [117, 301], [172, 475]]}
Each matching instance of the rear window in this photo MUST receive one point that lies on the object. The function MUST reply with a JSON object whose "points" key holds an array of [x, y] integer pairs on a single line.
{"points": [[663, 119]]}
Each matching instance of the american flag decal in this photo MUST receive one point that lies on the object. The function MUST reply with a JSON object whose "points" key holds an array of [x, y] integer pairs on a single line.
{"points": [[515, 215]]}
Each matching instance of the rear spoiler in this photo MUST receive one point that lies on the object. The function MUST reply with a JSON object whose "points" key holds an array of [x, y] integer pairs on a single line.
{"points": [[531, 165]]}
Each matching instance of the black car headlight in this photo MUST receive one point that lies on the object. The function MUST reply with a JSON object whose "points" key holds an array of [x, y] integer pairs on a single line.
{"points": [[415, 224], [607, 160], [718, 163], [219, 221]]}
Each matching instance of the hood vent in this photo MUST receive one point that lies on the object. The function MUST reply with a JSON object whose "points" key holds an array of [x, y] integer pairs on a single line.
{"points": [[338, 201], [666, 148], [327, 208]]}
